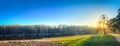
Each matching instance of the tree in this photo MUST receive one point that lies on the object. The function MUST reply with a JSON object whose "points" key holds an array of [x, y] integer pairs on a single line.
{"points": [[114, 23], [102, 24]]}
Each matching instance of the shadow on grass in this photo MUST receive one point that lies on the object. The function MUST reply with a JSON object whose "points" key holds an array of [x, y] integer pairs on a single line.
{"points": [[105, 40]]}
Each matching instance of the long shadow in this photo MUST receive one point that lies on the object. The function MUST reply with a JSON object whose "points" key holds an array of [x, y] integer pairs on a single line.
{"points": [[72, 41], [106, 40]]}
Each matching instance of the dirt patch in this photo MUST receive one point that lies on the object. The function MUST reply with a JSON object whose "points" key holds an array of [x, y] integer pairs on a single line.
{"points": [[117, 36], [29, 43]]}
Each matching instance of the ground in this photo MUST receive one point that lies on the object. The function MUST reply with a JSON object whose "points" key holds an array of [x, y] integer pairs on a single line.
{"points": [[78, 40], [117, 36], [35, 42]]}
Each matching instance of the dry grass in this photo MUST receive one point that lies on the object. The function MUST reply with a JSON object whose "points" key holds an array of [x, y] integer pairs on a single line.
{"points": [[28, 43]]}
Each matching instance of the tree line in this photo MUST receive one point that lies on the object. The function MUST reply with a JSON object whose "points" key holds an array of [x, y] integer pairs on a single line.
{"points": [[42, 31]]}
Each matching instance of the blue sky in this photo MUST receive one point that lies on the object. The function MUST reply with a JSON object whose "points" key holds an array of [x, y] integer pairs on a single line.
{"points": [[54, 12]]}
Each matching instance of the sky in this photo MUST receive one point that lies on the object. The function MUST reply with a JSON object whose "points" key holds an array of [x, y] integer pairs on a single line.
{"points": [[55, 12]]}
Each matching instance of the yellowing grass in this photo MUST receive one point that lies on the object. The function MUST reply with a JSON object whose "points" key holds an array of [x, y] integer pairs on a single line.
{"points": [[77, 42], [69, 39]]}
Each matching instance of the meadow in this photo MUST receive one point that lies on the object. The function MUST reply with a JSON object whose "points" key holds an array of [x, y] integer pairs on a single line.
{"points": [[86, 40]]}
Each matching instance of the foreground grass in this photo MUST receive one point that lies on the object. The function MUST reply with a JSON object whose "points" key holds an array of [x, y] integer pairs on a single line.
{"points": [[101, 40], [87, 40]]}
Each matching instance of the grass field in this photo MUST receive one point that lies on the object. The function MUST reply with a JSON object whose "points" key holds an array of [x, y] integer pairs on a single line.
{"points": [[78, 40], [86, 40]]}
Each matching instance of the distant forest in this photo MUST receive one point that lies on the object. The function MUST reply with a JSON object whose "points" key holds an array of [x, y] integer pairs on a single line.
{"points": [[42, 31]]}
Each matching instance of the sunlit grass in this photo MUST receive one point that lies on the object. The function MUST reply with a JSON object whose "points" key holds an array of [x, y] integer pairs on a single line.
{"points": [[86, 40], [69, 39]]}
